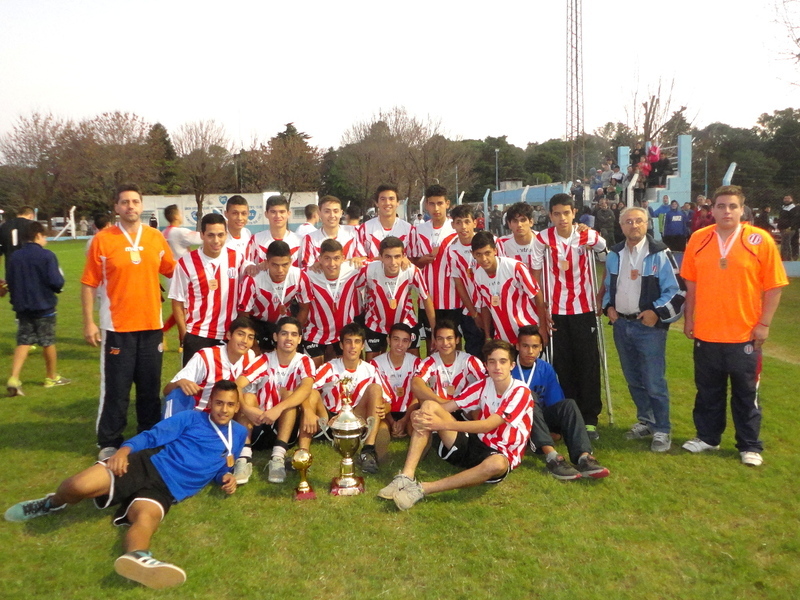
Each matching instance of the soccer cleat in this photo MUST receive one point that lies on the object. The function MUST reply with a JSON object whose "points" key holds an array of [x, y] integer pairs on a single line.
{"points": [[25, 511], [591, 431], [368, 461], [142, 568], [589, 467], [696, 445], [242, 469], [637, 432], [408, 495], [106, 453], [398, 483], [276, 470], [662, 442], [14, 387], [751, 459], [59, 380], [561, 469]]}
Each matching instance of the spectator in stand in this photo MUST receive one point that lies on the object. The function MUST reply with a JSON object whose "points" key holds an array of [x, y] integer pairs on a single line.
{"points": [[702, 218], [540, 218], [676, 228], [661, 169], [596, 179], [788, 225], [644, 168], [605, 176], [480, 222], [617, 176], [604, 221], [611, 193], [577, 193], [599, 194], [763, 219], [637, 153], [496, 222], [587, 218]]}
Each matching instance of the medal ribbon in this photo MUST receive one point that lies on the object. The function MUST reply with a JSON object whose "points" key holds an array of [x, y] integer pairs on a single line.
{"points": [[229, 442], [134, 243], [725, 247]]}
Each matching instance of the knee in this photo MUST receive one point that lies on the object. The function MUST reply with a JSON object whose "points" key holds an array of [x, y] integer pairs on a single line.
{"points": [[495, 466]]}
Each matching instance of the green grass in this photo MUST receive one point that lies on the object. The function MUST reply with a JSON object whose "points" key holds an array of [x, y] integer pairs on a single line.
{"points": [[675, 526]]}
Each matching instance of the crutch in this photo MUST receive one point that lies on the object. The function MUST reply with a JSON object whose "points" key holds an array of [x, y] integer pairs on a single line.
{"points": [[548, 352], [601, 338]]}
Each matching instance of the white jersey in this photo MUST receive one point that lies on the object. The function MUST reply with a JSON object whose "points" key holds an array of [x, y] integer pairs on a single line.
{"points": [[309, 248], [396, 381], [388, 299], [448, 381], [331, 373], [239, 244], [258, 244], [270, 376], [508, 296], [267, 300], [371, 234], [461, 265], [210, 365], [424, 239], [304, 229], [180, 239], [332, 304], [508, 246]]}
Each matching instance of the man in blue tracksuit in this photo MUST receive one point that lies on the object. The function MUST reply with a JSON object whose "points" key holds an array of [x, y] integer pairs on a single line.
{"points": [[151, 471], [643, 295]]}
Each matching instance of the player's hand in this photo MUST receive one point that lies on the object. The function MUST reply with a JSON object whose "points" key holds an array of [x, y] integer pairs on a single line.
{"points": [[612, 314], [316, 267], [581, 227], [424, 421], [760, 335], [405, 263], [310, 424], [380, 410], [189, 387], [118, 463], [648, 317], [252, 270], [268, 417], [688, 328], [425, 260], [357, 261], [92, 334], [3, 288], [228, 483]]}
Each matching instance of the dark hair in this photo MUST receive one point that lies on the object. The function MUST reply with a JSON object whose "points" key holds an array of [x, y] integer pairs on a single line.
{"points": [[225, 385], [462, 211], [561, 200], [446, 324], [493, 345], [730, 190], [277, 200], [353, 212], [289, 320], [353, 329], [328, 200], [401, 327], [330, 245], [529, 330], [33, 229], [171, 213], [127, 187], [101, 221], [482, 239], [25, 210], [241, 323], [386, 187], [212, 219], [435, 191], [278, 248], [519, 209], [390, 242], [236, 200], [311, 210]]}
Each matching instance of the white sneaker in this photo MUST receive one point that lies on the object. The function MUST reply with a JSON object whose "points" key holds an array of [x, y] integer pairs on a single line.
{"points": [[106, 453], [696, 445], [751, 459], [276, 470], [637, 432], [662, 442], [242, 471]]}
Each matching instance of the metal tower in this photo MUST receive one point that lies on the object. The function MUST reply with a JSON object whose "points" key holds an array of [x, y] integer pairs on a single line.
{"points": [[576, 142]]}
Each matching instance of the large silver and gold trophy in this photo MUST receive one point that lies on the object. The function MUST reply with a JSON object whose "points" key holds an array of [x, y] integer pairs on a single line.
{"points": [[349, 431]]}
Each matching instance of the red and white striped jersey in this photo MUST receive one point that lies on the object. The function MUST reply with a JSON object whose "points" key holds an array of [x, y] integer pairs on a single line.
{"points": [[331, 373], [209, 289], [210, 365], [332, 303], [383, 293], [461, 265], [267, 300], [239, 244], [270, 376], [515, 406], [258, 244], [448, 381], [309, 246], [507, 246], [570, 289], [396, 381], [371, 234], [508, 296], [424, 238]]}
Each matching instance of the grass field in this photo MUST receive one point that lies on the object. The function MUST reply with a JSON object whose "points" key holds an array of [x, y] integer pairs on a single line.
{"points": [[661, 526]]}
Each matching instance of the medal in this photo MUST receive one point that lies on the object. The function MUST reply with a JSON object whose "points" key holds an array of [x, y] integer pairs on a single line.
{"points": [[723, 263], [563, 265], [450, 390], [213, 284], [133, 245], [725, 247], [495, 300], [228, 443], [230, 460], [392, 303], [136, 258], [634, 274]]}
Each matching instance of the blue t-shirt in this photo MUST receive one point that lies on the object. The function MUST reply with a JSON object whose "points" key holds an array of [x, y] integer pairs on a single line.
{"points": [[544, 382]]}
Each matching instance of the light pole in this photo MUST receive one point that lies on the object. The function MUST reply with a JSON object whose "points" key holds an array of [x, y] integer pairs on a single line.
{"points": [[497, 168]]}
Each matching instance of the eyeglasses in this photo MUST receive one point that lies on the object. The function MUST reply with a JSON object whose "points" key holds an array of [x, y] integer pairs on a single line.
{"points": [[634, 221]]}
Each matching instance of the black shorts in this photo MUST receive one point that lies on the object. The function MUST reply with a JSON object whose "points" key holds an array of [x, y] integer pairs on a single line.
{"points": [[398, 414], [264, 331], [467, 452], [377, 342], [264, 437], [36, 330], [451, 314], [142, 482], [314, 350]]}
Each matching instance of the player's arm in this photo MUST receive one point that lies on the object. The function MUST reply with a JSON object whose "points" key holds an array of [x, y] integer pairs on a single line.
{"points": [[431, 312], [425, 421], [179, 312], [486, 318], [421, 391], [771, 300], [291, 400], [90, 331], [688, 313], [461, 290]]}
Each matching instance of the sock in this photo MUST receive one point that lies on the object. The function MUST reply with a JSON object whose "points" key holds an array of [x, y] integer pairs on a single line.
{"points": [[278, 451], [553, 455], [247, 452], [368, 448]]}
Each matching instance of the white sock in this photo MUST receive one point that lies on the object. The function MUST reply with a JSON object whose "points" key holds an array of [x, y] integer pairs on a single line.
{"points": [[247, 452], [278, 451]]}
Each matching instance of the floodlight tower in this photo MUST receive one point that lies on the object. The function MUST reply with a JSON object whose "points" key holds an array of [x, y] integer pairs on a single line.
{"points": [[576, 143]]}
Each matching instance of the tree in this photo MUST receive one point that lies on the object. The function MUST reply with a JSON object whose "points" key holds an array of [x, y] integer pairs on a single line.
{"points": [[165, 158], [654, 120], [291, 163], [781, 134], [205, 159]]}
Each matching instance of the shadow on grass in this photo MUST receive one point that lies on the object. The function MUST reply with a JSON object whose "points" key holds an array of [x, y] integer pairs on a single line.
{"points": [[66, 437]]}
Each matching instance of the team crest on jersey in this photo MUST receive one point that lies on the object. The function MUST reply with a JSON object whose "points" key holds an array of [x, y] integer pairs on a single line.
{"points": [[231, 273], [755, 239]]}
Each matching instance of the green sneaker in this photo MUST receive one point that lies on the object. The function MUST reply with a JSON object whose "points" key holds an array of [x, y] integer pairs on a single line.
{"points": [[30, 509], [141, 567], [58, 380]]}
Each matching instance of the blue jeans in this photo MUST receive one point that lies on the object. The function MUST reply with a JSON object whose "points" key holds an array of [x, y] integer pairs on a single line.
{"points": [[642, 354]]}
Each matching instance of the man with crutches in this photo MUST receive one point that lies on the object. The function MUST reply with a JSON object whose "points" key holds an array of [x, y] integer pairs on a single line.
{"points": [[563, 262]]}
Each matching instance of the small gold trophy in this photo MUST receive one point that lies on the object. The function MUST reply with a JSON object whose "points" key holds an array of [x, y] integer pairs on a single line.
{"points": [[348, 430], [301, 461]]}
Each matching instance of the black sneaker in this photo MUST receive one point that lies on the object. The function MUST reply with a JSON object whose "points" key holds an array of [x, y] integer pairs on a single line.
{"points": [[591, 431], [368, 460], [561, 469], [589, 467]]}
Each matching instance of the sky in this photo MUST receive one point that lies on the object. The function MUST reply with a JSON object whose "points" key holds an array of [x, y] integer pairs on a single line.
{"points": [[497, 69]]}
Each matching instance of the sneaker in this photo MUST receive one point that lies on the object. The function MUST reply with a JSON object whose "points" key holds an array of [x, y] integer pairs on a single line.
{"points": [[662, 442], [25, 511], [59, 380], [637, 432], [398, 483], [368, 461], [408, 495], [242, 469], [324, 430], [591, 431], [589, 467], [561, 469], [106, 453], [751, 459], [14, 387], [276, 470], [696, 445], [143, 568]]}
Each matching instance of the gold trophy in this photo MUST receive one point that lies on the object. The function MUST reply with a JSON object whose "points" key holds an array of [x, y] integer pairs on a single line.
{"points": [[349, 430], [301, 461]]}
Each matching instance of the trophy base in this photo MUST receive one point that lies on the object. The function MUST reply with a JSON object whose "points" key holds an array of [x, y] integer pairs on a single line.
{"points": [[307, 495], [337, 490]]}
